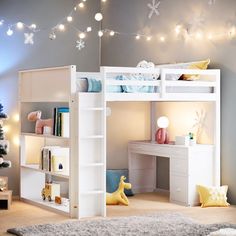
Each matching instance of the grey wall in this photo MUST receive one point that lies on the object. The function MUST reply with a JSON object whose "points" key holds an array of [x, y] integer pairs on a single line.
{"points": [[131, 16], [15, 55]]}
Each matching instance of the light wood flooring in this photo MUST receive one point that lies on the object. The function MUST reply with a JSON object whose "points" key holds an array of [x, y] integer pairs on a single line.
{"points": [[22, 214]]}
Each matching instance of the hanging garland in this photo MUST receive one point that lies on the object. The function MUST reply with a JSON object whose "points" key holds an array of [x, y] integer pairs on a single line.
{"points": [[192, 30]]}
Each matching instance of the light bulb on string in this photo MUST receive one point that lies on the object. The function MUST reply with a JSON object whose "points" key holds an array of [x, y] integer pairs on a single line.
{"points": [[137, 37], [81, 5], [112, 33], [98, 16], [232, 32], [75, 8], [89, 29], [69, 18], [9, 32], [84, 0], [82, 35], [104, 0], [148, 38], [209, 36], [100, 33], [33, 26], [162, 39], [178, 29], [1, 22], [19, 25], [199, 35], [61, 27]]}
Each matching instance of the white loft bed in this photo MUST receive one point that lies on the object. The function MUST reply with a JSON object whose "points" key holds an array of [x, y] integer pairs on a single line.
{"points": [[88, 119]]}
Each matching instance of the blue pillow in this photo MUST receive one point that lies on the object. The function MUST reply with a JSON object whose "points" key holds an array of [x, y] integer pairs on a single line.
{"points": [[113, 180]]}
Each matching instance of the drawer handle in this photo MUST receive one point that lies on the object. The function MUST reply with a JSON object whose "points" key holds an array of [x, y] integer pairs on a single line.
{"points": [[178, 190]]}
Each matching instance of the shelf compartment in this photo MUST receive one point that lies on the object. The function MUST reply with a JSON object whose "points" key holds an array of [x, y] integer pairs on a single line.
{"points": [[52, 206], [36, 168]]}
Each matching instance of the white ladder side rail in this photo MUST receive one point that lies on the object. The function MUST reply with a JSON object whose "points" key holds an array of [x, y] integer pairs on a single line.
{"points": [[104, 128]]}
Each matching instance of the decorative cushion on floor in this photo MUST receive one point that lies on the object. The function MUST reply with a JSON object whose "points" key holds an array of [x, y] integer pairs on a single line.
{"points": [[213, 196], [113, 179]]}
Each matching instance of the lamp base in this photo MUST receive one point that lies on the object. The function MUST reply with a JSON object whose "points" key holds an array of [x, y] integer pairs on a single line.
{"points": [[161, 136]]}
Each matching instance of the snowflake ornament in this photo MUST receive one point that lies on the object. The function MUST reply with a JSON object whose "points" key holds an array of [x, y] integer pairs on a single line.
{"points": [[153, 8], [80, 44], [196, 23], [29, 38], [211, 2]]}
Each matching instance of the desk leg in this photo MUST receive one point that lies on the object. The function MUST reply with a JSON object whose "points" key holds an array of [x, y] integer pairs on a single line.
{"points": [[142, 172]]}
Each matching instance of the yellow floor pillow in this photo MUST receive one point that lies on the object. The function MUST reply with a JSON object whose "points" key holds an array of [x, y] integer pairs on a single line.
{"points": [[213, 196]]}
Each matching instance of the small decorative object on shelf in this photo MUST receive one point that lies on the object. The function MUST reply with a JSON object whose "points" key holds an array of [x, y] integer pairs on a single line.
{"points": [[3, 183], [50, 191], [4, 144], [161, 134], [58, 200], [40, 123], [192, 140]]}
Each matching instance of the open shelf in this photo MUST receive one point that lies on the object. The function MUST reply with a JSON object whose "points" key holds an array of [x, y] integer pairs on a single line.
{"points": [[63, 208], [36, 168]]}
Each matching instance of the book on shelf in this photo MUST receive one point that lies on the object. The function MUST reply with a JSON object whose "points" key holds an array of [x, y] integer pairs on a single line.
{"points": [[61, 125], [55, 159]]}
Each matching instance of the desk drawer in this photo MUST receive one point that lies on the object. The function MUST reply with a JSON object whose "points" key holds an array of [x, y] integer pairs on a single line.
{"points": [[179, 166], [179, 188]]}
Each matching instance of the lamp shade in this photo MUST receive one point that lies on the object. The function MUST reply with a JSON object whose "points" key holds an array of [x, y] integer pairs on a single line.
{"points": [[163, 122]]}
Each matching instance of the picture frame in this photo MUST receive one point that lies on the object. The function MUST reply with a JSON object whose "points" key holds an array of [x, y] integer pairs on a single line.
{"points": [[3, 183]]}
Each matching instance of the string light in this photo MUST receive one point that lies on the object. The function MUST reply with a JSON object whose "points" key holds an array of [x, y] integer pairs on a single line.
{"points": [[112, 33], [19, 25], [69, 18], [1, 22], [209, 36], [61, 27], [149, 38], [162, 39], [82, 35], [81, 5], [178, 29], [100, 33], [89, 29], [16, 117], [104, 0], [33, 26], [199, 35], [9, 32], [137, 37], [6, 128], [98, 16]]}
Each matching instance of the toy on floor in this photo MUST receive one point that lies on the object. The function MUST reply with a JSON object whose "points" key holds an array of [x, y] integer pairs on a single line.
{"points": [[40, 123], [119, 197]]}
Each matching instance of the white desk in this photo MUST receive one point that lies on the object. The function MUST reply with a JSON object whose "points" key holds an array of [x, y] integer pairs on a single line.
{"points": [[189, 166]]}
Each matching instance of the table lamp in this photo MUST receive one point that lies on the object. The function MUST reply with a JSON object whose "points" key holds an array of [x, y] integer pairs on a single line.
{"points": [[161, 135]]}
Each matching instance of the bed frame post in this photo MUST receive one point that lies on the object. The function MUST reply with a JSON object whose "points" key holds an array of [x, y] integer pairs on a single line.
{"points": [[217, 163]]}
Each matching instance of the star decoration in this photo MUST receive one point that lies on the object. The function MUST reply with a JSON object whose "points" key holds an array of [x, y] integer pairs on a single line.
{"points": [[80, 44], [211, 2], [153, 8], [29, 38]]}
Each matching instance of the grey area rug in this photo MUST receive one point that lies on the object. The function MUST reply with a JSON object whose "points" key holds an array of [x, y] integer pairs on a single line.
{"points": [[168, 224]]}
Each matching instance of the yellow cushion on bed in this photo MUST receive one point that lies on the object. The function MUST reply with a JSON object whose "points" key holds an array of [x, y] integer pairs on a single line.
{"points": [[213, 196], [199, 65]]}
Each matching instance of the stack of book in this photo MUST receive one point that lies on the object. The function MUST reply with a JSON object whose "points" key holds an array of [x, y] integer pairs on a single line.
{"points": [[61, 122], [55, 159]]}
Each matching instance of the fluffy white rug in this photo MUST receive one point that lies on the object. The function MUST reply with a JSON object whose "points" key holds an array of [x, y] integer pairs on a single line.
{"points": [[169, 224]]}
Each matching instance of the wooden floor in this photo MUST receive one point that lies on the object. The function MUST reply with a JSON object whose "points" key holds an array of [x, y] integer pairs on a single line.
{"points": [[22, 214]]}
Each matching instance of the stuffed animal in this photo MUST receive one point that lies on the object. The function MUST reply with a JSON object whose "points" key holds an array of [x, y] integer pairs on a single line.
{"points": [[40, 123], [119, 197]]}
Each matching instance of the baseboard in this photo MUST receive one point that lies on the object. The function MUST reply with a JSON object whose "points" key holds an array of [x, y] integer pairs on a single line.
{"points": [[160, 190], [15, 197]]}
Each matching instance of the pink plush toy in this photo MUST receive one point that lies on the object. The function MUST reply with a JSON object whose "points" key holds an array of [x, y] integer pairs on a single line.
{"points": [[36, 116]]}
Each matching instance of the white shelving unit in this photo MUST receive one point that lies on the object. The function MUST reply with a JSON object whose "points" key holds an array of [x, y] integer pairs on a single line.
{"points": [[44, 89]]}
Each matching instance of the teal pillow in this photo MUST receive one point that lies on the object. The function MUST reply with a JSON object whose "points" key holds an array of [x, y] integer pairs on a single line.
{"points": [[113, 179]]}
